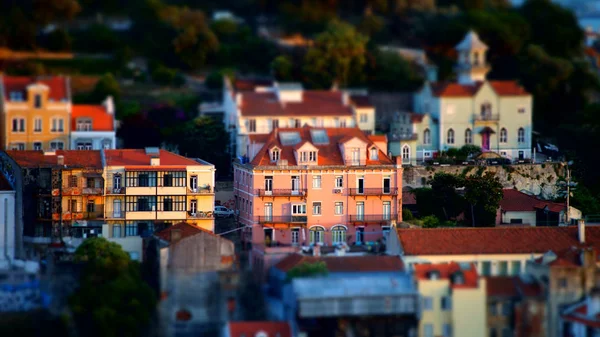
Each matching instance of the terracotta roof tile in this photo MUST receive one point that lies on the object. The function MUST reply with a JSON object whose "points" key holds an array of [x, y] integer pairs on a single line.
{"points": [[329, 154], [248, 84], [345, 264], [250, 329], [508, 88], [57, 85], [501, 240], [72, 158], [185, 229], [314, 103], [139, 158], [377, 138], [101, 119], [502, 88], [516, 201], [501, 286], [408, 198], [446, 270]]}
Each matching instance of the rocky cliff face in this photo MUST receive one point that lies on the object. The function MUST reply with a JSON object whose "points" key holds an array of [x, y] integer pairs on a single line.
{"points": [[537, 179]]}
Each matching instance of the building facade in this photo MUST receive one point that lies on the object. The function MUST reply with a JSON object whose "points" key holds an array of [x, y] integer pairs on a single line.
{"points": [[93, 127], [311, 186]]}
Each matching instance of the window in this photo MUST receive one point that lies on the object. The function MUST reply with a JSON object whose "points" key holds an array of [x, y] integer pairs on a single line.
{"points": [[252, 125], [167, 180], [299, 209], [427, 137], [295, 236], [502, 268], [84, 146], [167, 204], [339, 208], [515, 267], [506, 308], [16, 96], [91, 206], [562, 282], [275, 124], [58, 125], [194, 182], [316, 182], [338, 234], [37, 125], [275, 155], [37, 101], [468, 136], [84, 125], [18, 146], [312, 156], [493, 309], [342, 123], [37, 146], [90, 183], [521, 135], [295, 183], [339, 181], [450, 138], [144, 203], [72, 181], [405, 154], [386, 185], [446, 303], [486, 109], [364, 118], [57, 145], [193, 206], [117, 181], [486, 268], [303, 156], [73, 206], [297, 123], [521, 110], [319, 123], [18, 125], [316, 235], [427, 303], [268, 183], [316, 208], [428, 330], [374, 155], [447, 330], [503, 135]]}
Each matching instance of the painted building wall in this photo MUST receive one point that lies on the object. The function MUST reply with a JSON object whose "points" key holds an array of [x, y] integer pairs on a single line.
{"points": [[469, 311], [526, 217], [436, 316], [99, 139], [515, 262], [365, 119]]}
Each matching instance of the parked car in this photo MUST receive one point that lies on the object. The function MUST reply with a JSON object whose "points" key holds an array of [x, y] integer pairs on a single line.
{"points": [[223, 212]]}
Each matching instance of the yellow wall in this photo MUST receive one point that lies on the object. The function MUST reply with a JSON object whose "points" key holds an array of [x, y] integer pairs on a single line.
{"points": [[436, 289], [469, 312]]}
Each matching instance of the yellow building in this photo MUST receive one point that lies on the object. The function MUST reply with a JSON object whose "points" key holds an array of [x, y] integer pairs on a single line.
{"points": [[36, 113], [453, 300], [150, 188]]}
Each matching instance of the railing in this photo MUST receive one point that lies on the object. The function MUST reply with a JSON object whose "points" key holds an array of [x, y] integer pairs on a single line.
{"points": [[281, 193], [69, 191], [355, 162], [113, 190], [202, 190], [374, 191], [98, 214], [371, 217], [200, 215], [486, 117], [116, 215], [92, 190], [274, 219], [403, 136]]}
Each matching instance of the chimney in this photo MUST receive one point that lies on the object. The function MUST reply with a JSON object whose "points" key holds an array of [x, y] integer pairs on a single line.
{"points": [[154, 161], [109, 105], [317, 250], [581, 230], [60, 160], [175, 235]]}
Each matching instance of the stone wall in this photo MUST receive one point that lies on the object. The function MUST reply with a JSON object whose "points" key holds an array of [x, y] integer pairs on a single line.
{"points": [[538, 179]]}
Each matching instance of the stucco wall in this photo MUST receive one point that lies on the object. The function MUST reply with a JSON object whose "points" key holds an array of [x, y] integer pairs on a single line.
{"points": [[469, 311], [538, 179]]}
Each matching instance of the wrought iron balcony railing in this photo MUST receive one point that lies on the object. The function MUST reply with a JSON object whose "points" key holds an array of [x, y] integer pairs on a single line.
{"points": [[374, 191], [278, 192], [364, 218], [285, 219]]}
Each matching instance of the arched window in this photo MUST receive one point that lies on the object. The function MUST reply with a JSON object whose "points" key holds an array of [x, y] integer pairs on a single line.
{"points": [[338, 234], [275, 155], [503, 135], [450, 138], [486, 110], [468, 136], [521, 135], [426, 137], [406, 154], [316, 234]]}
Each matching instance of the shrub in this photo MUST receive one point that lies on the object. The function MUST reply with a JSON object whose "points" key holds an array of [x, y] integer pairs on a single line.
{"points": [[163, 75], [214, 81], [430, 221], [407, 215]]}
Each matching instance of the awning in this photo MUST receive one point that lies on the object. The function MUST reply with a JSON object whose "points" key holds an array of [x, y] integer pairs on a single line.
{"points": [[487, 129]]}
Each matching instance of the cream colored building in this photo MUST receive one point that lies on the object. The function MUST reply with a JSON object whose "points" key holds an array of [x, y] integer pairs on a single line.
{"points": [[150, 187], [453, 300]]}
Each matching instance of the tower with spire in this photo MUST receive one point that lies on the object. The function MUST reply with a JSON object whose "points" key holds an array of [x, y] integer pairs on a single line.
{"points": [[471, 65]]}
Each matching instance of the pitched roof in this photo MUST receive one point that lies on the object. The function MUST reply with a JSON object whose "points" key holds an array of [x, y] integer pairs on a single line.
{"points": [[251, 329], [499, 240], [453, 89], [471, 41], [409, 198], [185, 229], [501, 286], [579, 314], [345, 264], [446, 271], [250, 84], [329, 153], [516, 201], [377, 138], [57, 85], [139, 157], [101, 119], [72, 158], [314, 103], [570, 257]]}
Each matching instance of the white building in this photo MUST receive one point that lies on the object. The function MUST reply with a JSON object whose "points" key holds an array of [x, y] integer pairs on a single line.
{"points": [[93, 127]]}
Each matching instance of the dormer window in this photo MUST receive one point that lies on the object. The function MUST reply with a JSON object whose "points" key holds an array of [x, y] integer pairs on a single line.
{"points": [[374, 155], [275, 154], [434, 275], [84, 125], [37, 101], [312, 156]]}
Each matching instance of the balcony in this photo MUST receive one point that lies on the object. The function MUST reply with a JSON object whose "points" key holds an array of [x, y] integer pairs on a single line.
{"points": [[282, 219], [486, 117], [281, 193], [111, 214], [201, 215], [372, 218], [115, 191], [92, 190], [403, 136], [67, 191], [373, 191], [201, 190]]}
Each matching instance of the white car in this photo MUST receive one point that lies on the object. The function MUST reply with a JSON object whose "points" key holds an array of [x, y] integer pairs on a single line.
{"points": [[222, 211]]}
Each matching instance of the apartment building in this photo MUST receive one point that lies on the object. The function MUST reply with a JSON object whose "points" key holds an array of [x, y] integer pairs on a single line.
{"points": [[93, 127], [316, 186], [148, 188], [453, 300]]}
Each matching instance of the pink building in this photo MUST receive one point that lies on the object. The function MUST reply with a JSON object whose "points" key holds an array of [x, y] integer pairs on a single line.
{"points": [[314, 186]]}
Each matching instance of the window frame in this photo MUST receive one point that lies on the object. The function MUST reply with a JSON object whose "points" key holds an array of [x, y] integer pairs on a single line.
{"points": [[503, 136], [339, 181], [427, 137], [450, 136], [468, 136], [338, 208], [317, 208], [338, 234], [521, 135], [298, 209], [316, 181]]}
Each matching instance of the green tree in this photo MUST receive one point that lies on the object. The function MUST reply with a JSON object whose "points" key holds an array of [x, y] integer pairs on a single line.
{"points": [[393, 73], [106, 86], [110, 285], [484, 194], [282, 68], [306, 269], [371, 24], [338, 54], [59, 40], [214, 81], [444, 188]]}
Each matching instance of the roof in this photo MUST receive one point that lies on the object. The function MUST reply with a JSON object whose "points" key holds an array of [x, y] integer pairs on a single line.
{"points": [[314, 103], [250, 84], [72, 158], [345, 264], [361, 101], [251, 329], [139, 157], [579, 314], [471, 41], [101, 119], [447, 270], [185, 229], [359, 285], [378, 138], [494, 240], [57, 85], [501, 286], [516, 201], [329, 153], [408, 198], [570, 257], [453, 89]]}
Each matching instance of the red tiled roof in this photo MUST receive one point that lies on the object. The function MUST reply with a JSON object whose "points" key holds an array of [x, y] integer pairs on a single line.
{"points": [[377, 138], [138, 157], [500, 240], [446, 270], [408, 198], [250, 329], [185, 228], [502, 88], [361, 101], [329, 154], [258, 139], [72, 158], [341, 264], [580, 315], [57, 85], [248, 84], [314, 103], [501, 286], [570, 257], [416, 118], [516, 201], [101, 120]]}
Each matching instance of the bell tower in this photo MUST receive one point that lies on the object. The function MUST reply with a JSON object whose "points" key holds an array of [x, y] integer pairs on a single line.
{"points": [[471, 65]]}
